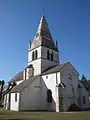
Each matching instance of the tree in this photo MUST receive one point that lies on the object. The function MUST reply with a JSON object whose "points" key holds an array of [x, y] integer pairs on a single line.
{"points": [[2, 85], [83, 77], [84, 82], [5, 91]]}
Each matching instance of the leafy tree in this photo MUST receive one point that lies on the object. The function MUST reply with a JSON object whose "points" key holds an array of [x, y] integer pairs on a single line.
{"points": [[84, 81], [2, 85], [83, 77]]}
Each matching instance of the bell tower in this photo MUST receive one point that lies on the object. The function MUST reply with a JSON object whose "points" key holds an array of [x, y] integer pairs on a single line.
{"points": [[43, 53]]}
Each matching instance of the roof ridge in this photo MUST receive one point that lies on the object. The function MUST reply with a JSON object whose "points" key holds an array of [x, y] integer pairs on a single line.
{"points": [[55, 68], [16, 75]]}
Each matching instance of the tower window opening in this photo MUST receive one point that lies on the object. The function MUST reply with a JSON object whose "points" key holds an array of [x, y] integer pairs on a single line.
{"points": [[84, 100], [36, 54], [48, 55], [33, 55], [52, 56]]}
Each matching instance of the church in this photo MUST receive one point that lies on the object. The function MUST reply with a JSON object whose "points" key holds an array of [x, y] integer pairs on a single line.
{"points": [[45, 84]]}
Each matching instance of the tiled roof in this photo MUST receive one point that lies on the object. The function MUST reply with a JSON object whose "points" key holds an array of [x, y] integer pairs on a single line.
{"points": [[54, 69], [43, 36], [23, 84], [17, 77]]}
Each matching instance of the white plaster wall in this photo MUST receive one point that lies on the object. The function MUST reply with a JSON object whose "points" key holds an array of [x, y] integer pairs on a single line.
{"points": [[34, 97], [7, 101], [5, 98], [68, 90], [27, 73], [86, 94], [58, 78], [14, 105], [37, 66], [42, 63], [36, 63], [30, 54], [30, 97], [45, 63], [24, 74], [48, 83], [68, 100]]}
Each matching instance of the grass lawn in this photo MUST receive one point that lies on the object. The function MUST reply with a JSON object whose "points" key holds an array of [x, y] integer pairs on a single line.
{"points": [[43, 115]]}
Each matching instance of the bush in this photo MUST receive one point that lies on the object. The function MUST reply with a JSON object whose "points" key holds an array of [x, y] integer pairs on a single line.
{"points": [[1, 106], [74, 107]]}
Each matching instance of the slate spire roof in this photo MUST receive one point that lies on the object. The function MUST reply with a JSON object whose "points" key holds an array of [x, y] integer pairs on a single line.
{"points": [[43, 29], [43, 36]]}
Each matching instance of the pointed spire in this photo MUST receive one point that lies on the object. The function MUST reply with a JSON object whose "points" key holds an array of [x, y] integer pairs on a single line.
{"points": [[29, 45], [43, 29], [43, 36], [42, 20]]}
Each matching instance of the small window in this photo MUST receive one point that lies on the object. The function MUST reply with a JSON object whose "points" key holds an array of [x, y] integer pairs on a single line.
{"points": [[15, 96], [48, 55], [84, 100], [73, 92], [36, 54], [49, 96], [70, 76], [52, 56], [46, 77], [33, 55]]}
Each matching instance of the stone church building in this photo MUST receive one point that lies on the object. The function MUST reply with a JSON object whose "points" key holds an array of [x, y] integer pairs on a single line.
{"points": [[45, 84]]}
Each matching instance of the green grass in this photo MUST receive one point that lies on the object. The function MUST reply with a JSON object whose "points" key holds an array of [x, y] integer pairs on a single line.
{"points": [[43, 115]]}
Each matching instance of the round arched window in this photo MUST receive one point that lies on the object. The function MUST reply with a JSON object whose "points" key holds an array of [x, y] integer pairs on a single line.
{"points": [[49, 96]]}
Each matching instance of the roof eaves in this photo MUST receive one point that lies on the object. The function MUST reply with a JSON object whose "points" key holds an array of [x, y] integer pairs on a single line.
{"points": [[51, 72]]}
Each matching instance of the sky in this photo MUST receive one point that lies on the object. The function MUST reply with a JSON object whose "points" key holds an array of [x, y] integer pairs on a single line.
{"points": [[69, 23]]}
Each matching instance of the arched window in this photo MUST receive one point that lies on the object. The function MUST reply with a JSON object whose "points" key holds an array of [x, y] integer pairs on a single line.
{"points": [[48, 55], [52, 56], [49, 96], [36, 54], [33, 55], [84, 100], [15, 96]]}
